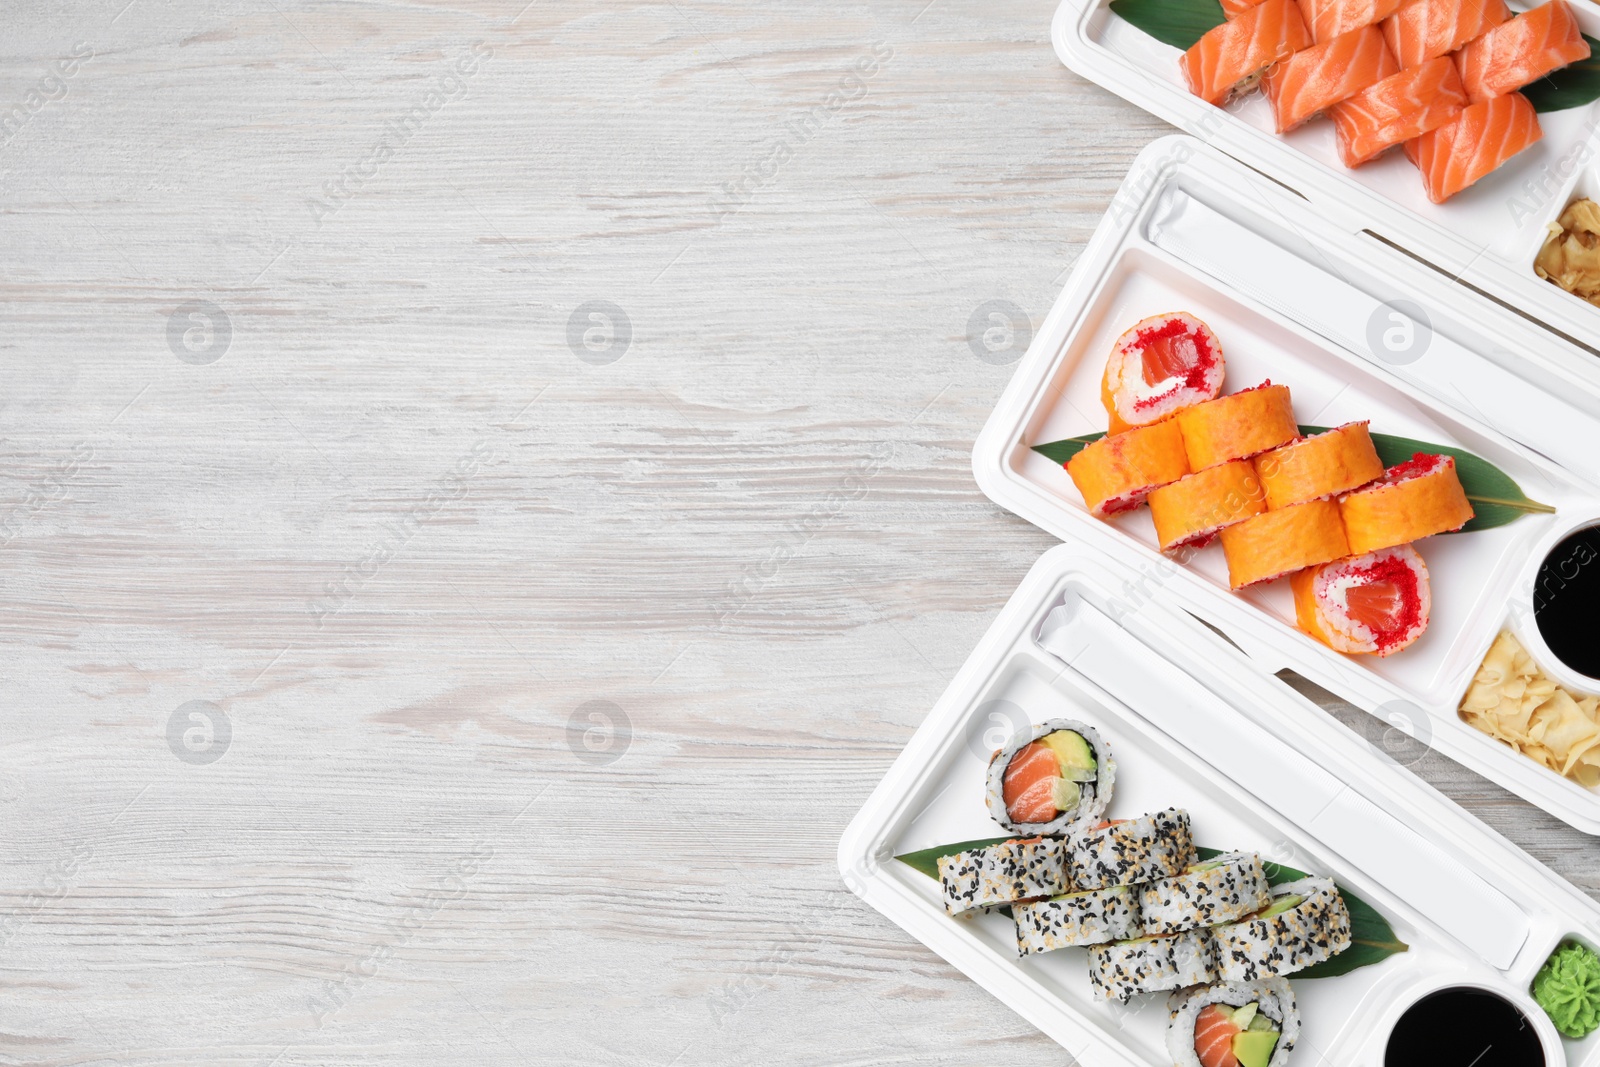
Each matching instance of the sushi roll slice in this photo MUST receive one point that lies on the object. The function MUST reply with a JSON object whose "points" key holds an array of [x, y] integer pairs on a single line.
{"points": [[1087, 917], [1397, 109], [1306, 923], [1003, 873], [1218, 890], [1255, 1023], [1276, 543], [1421, 30], [1328, 19], [1311, 81], [1229, 60], [1415, 499], [1521, 51], [1052, 777], [1131, 850], [1334, 461], [1117, 472], [1191, 510], [1232, 9], [1376, 604], [1124, 969], [1472, 145], [1159, 366], [1237, 426]]}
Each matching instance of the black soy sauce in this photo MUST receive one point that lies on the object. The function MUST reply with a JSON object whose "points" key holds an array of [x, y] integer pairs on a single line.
{"points": [[1463, 1027], [1565, 596]]}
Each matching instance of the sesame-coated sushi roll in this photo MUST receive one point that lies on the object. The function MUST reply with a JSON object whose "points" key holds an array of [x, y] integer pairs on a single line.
{"points": [[1250, 1024], [1003, 873], [1192, 510], [1159, 366], [1276, 543], [1375, 604], [1051, 777], [1218, 890], [1415, 499], [1124, 969], [1334, 461], [1237, 426], [1116, 473], [1087, 917], [1306, 923], [1130, 851]]}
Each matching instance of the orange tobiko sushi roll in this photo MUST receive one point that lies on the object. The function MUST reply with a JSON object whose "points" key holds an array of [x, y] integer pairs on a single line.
{"points": [[1328, 19], [1157, 367], [1237, 426], [1521, 51], [1415, 499], [1191, 510], [1374, 604], [1334, 461], [1473, 144], [1279, 542], [1116, 473], [1423, 29], [1397, 109], [1229, 59], [1310, 81]]}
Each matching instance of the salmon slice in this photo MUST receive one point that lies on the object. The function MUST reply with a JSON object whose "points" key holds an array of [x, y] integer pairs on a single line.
{"points": [[1521, 51], [1328, 19], [1419, 30], [1324, 74], [1213, 1038], [1029, 782], [1227, 60], [1232, 9], [1400, 107], [1473, 144]]}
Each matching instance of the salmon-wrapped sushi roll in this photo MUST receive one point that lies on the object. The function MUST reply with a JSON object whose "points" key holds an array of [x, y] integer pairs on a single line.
{"points": [[1118, 471], [1374, 604], [1229, 59], [1191, 510], [1422, 29], [1237, 426], [1397, 109], [1473, 144], [1276, 543], [1416, 499], [1232, 9], [1327, 19], [1334, 461], [1521, 51], [1160, 365], [1310, 81]]}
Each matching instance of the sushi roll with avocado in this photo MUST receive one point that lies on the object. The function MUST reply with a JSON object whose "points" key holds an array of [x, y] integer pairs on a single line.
{"points": [[1251, 1024], [1019, 869], [1124, 969], [1089, 917], [1213, 891], [1129, 851], [1306, 922], [1053, 776]]}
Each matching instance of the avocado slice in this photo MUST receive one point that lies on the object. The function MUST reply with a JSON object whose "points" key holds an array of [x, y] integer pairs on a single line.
{"points": [[1253, 1048], [1065, 794], [1243, 1016], [1073, 754], [1280, 905]]}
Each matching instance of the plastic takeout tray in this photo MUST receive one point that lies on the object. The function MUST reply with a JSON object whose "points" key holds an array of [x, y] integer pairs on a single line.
{"points": [[1296, 299], [1487, 235], [1195, 723]]}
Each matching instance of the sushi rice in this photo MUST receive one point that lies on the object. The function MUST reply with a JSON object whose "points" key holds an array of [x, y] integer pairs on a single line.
{"points": [[1124, 969], [1315, 929], [1135, 850], [1219, 890], [1272, 994], [1087, 917], [1003, 873]]}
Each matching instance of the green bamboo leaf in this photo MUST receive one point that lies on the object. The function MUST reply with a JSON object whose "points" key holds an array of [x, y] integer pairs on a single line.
{"points": [[1373, 940], [1179, 23], [1496, 497], [1569, 87], [1061, 451]]}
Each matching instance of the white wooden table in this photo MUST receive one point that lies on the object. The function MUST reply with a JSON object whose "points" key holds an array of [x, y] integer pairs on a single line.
{"points": [[541, 658]]}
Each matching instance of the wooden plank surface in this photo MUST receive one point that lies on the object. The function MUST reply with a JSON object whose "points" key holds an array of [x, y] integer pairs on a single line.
{"points": [[540, 658]]}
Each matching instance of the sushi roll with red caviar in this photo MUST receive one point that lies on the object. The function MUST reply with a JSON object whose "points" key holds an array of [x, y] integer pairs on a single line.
{"points": [[1376, 604], [1117, 472], [1233, 1024], [1159, 366], [1130, 851], [1237, 426], [1334, 461], [1415, 499], [1052, 777], [1279, 542], [1190, 511]]}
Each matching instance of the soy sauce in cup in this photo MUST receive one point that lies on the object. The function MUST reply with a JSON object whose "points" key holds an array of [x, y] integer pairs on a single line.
{"points": [[1463, 1027], [1565, 596]]}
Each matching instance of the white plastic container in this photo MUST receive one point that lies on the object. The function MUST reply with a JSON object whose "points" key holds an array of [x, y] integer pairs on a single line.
{"points": [[1487, 235], [1294, 298], [1195, 723]]}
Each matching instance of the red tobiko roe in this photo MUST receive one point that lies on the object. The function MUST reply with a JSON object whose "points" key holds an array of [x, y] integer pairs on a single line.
{"points": [[1158, 341], [1376, 607], [1419, 464]]}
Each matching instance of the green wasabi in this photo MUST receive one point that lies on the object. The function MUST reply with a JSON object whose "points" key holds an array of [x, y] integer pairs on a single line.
{"points": [[1567, 987]]}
